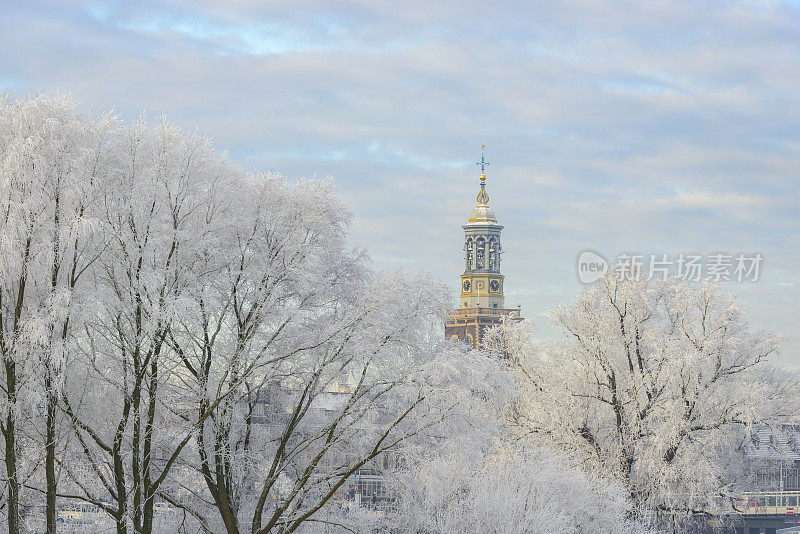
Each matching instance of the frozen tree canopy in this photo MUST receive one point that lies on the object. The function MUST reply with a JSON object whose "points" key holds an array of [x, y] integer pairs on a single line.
{"points": [[189, 347], [178, 334], [655, 385]]}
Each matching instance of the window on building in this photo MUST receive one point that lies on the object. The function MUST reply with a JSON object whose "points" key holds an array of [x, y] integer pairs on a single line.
{"points": [[493, 254], [791, 478], [480, 253]]}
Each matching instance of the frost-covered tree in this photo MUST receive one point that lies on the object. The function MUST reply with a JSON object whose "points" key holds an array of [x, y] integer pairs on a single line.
{"points": [[159, 205], [655, 385], [475, 475], [51, 162], [329, 366], [514, 491], [176, 330]]}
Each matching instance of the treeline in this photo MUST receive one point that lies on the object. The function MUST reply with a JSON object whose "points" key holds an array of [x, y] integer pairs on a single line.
{"points": [[179, 334], [176, 330]]}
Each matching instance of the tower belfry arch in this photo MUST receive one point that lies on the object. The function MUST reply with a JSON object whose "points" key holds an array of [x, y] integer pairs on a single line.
{"points": [[482, 301]]}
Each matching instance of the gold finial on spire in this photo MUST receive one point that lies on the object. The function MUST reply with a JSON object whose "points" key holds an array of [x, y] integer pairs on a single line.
{"points": [[483, 197]]}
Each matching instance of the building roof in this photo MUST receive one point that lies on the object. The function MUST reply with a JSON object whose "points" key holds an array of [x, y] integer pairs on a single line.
{"points": [[482, 214], [775, 443]]}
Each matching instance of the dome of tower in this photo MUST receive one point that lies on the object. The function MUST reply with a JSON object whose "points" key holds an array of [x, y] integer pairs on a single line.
{"points": [[482, 213]]}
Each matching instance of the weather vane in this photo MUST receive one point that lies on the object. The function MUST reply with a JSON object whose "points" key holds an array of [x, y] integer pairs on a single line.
{"points": [[483, 198], [483, 163]]}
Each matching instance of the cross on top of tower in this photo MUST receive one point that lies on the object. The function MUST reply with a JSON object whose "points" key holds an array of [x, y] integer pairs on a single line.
{"points": [[483, 163], [483, 198]]}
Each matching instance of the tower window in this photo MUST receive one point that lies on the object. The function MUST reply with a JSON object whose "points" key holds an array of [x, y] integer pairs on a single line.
{"points": [[470, 247], [493, 263], [480, 253]]}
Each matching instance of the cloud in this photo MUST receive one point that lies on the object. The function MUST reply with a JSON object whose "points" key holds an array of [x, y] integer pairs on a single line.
{"points": [[662, 127]]}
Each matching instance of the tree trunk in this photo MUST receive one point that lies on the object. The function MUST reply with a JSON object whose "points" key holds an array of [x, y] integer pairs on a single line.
{"points": [[147, 486], [122, 498], [11, 394], [50, 454], [50, 418], [216, 486], [11, 455], [119, 473]]}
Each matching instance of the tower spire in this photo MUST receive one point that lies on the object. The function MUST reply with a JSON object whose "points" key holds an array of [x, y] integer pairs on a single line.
{"points": [[483, 197], [482, 302]]}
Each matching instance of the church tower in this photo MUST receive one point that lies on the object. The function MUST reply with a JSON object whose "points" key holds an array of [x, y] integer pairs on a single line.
{"points": [[482, 303]]}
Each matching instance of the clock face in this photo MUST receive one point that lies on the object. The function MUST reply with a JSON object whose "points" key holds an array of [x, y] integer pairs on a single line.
{"points": [[494, 285], [466, 285]]}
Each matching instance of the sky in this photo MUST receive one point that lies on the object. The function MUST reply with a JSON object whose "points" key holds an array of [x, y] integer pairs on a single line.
{"points": [[619, 127]]}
